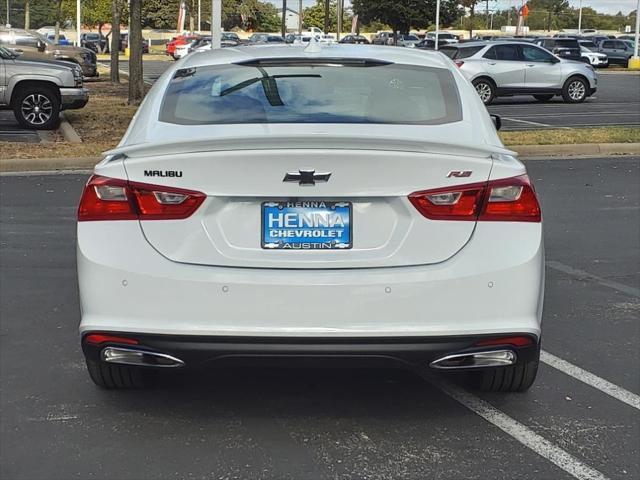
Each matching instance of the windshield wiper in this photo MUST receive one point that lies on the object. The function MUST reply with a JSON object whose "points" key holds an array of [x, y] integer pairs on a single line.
{"points": [[269, 85]]}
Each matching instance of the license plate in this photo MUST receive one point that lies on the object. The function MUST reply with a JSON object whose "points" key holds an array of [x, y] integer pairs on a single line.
{"points": [[306, 225]]}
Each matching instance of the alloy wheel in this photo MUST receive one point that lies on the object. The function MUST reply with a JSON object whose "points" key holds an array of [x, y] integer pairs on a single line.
{"points": [[36, 109], [484, 91], [576, 90]]}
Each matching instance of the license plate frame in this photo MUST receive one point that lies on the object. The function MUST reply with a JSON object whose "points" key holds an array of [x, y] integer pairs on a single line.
{"points": [[334, 209]]}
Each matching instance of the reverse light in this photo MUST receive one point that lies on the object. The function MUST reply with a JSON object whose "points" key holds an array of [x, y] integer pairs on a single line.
{"points": [[106, 198], [506, 200]]}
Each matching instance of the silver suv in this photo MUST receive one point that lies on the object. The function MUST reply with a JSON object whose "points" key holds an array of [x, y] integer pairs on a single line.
{"points": [[499, 69], [36, 91]]}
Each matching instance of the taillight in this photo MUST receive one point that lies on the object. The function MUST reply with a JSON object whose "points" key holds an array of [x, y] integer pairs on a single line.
{"points": [[99, 338], [114, 199], [520, 341], [458, 63], [506, 200]]}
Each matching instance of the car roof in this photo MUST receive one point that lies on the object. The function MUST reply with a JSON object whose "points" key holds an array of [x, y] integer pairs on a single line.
{"points": [[332, 51]]}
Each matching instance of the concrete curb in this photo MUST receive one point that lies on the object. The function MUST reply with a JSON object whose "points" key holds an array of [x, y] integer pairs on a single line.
{"points": [[67, 131], [525, 151], [47, 164], [579, 149]]}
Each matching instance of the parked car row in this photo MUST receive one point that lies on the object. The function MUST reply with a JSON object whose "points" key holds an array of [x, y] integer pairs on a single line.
{"points": [[182, 45], [33, 45]]}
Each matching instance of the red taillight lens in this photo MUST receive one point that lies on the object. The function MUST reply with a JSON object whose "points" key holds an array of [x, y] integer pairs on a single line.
{"points": [[511, 199], [114, 199], [99, 338], [521, 341], [458, 63], [507, 200]]}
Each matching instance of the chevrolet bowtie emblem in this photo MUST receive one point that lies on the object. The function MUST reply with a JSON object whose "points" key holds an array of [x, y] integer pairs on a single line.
{"points": [[306, 177]]}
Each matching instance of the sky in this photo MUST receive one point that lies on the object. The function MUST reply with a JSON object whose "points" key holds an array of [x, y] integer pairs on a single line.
{"points": [[604, 6]]}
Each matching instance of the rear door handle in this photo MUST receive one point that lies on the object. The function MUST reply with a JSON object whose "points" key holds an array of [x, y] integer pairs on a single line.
{"points": [[531, 64], [491, 63]]}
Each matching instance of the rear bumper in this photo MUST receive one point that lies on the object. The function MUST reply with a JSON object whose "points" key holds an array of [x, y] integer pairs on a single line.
{"points": [[494, 285], [412, 353]]}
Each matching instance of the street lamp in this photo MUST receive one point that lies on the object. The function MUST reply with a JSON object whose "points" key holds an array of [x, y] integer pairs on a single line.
{"points": [[77, 23], [216, 23], [437, 23], [580, 19], [634, 62]]}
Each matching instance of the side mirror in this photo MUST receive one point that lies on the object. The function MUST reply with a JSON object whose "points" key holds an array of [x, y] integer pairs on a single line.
{"points": [[497, 121], [41, 46]]}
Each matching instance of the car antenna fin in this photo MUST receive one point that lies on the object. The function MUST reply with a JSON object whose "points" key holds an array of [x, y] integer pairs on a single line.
{"points": [[314, 46]]}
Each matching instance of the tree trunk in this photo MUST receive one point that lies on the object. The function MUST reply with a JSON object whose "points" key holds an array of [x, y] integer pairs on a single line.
{"points": [[27, 20], [100, 49], [327, 16], [56, 36], [115, 42], [136, 82], [471, 16]]}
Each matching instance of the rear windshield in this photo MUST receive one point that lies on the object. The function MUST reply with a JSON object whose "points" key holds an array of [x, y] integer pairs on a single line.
{"points": [[460, 52], [299, 91]]}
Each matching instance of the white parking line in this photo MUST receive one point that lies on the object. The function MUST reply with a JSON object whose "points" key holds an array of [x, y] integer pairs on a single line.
{"points": [[590, 379], [582, 275], [530, 123], [521, 433]]}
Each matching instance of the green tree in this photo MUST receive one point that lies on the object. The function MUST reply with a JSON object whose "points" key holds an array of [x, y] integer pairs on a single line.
{"points": [[404, 14], [314, 16], [259, 16], [548, 11]]}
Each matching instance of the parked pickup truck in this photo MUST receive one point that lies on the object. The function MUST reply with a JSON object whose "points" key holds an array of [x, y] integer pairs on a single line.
{"points": [[37, 90]]}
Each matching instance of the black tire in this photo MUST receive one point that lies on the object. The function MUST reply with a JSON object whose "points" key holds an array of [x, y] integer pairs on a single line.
{"points": [[518, 378], [120, 377], [37, 108], [575, 90], [486, 90], [543, 98]]}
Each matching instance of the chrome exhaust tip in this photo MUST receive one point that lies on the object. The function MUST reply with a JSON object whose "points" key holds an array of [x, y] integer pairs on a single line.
{"points": [[140, 358], [492, 358]]}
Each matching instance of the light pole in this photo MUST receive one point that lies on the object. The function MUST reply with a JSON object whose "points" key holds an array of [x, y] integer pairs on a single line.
{"points": [[77, 23], [437, 23], [8, 23], [634, 62], [216, 23], [199, 17], [300, 17], [580, 19]]}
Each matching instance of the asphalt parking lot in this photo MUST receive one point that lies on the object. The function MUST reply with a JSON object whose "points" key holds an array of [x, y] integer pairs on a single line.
{"points": [[580, 420]]}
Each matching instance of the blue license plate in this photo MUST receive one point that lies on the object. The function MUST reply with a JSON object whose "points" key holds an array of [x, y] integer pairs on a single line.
{"points": [[306, 225]]}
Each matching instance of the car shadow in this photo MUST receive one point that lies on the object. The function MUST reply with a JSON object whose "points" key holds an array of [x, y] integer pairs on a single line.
{"points": [[290, 392]]}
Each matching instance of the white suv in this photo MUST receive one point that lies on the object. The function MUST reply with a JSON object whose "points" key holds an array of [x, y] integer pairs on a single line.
{"points": [[499, 69], [289, 204]]}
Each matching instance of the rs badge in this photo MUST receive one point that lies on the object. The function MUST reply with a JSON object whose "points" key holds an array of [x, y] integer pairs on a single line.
{"points": [[459, 173]]}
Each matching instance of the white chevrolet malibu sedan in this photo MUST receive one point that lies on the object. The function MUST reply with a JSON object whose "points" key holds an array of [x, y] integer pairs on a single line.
{"points": [[335, 203]]}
